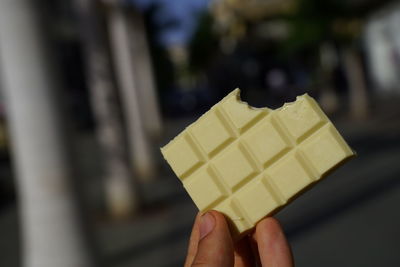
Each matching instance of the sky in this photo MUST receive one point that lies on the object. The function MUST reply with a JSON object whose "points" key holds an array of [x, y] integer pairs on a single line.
{"points": [[176, 20]]}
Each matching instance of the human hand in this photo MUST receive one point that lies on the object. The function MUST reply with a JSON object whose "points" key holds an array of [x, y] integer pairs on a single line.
{"points": [[211, 244]]}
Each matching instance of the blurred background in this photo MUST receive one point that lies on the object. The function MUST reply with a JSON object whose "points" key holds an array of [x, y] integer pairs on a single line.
{"points": [[91, 89]]}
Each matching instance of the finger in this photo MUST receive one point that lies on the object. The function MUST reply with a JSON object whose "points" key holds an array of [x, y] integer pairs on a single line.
{"points": [[215, 248], [193, 242], [243, 254], [272, 245]]}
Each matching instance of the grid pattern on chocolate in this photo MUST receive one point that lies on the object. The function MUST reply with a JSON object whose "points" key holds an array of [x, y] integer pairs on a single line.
{"points": [[276, 155]]}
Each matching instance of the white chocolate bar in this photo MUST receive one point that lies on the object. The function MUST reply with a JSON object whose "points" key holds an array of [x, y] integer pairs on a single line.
{"points": [[247, 162]]}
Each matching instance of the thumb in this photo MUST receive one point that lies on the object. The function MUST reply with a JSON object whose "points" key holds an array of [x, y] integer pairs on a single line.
{"points": [[215, 248]]}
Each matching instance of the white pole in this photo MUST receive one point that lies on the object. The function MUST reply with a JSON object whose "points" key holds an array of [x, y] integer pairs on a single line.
{"points": [[144, 74], [51, 232], [140, 151], [121, 196], [357, 88], [328, 60]]}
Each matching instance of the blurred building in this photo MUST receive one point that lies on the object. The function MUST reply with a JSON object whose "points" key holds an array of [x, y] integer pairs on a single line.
{"points": [[382, 41]]}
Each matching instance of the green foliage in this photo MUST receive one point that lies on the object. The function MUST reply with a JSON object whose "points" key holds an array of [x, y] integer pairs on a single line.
{"points": [[312, 22], [204, 44]]}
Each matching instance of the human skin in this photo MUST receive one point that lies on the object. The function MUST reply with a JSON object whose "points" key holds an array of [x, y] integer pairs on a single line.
{"points": [[211, 244]]}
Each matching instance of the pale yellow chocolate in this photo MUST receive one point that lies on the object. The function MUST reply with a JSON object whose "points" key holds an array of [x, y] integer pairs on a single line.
{"points": [[247, 162]]}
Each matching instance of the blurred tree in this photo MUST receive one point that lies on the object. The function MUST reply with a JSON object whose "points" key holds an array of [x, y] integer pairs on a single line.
{"points": [[316, 25], [121, 195], [311, 23], [231, 17], [204, 45], [49, 218]]}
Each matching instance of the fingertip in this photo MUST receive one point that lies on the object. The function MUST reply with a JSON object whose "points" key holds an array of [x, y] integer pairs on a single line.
{"points": [[219, 217], [215, 246], [207, 224], [220, 223], [268, 226]]}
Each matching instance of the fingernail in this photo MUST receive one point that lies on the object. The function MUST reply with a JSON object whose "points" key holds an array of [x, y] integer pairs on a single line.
{"points": [[207, 223]]}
